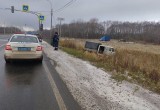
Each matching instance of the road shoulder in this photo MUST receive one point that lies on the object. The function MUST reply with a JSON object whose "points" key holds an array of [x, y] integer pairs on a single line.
{"points": [[94, 89]]}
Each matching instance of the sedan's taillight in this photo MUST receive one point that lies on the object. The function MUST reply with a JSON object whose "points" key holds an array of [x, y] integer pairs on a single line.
{"points": [[8, 47], [39, 48]]}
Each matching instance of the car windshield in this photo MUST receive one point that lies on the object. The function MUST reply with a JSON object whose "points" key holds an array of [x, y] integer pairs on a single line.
{"points": [[24, 39]]}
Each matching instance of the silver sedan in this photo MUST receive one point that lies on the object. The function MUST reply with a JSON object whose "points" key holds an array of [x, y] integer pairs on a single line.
{"points": [[23, 46]]}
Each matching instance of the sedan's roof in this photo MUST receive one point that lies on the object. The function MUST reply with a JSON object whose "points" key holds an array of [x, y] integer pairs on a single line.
{"points": [[24, 35], [24, 38]]}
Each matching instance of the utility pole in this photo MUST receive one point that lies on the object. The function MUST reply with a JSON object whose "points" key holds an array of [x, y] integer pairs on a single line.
{"points": [[51, 17], [50, 2], [60, 20], [11, 30], [25, 28], [51, 21], [15, 29], [4, 29], [104, 23]]}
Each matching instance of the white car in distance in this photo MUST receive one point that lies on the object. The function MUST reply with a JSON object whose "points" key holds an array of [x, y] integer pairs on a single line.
{"points": [[23, 47]]}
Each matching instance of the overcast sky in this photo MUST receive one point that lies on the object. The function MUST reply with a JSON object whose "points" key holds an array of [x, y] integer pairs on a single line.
{"points": [[120, 10]]}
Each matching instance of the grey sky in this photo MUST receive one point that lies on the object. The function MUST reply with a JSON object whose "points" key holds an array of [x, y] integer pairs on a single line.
{"points": [[121, 10]]}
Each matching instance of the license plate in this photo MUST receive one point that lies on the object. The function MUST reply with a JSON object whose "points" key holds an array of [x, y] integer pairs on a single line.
{"points": [[24, 49]]}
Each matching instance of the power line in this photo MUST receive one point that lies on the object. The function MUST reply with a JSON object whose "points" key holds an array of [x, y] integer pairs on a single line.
{"points": [[65, 6], [57, 10]]}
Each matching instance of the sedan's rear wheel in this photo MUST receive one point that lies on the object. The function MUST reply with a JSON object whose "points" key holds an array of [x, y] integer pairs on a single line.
{"points": [[40, 60], [7, 60]]}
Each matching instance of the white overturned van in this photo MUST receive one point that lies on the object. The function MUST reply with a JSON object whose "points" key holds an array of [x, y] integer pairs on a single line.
{"points": [[103, 49], [99, 48]]}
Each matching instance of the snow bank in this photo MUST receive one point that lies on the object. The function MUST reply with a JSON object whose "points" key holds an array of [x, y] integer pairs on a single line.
{"points": [[95, 90]]}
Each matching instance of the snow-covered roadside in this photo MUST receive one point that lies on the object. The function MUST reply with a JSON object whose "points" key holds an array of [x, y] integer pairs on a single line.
{"points": [[95, 90]]}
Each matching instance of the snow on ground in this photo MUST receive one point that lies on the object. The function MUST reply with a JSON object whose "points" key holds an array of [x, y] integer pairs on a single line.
{"points": [[95, 90]]}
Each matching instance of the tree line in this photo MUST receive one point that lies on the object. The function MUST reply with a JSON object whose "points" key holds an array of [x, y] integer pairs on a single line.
{"points": [[9, 30], [80, 29], [93, 29], [129, 31], [137, 31]]}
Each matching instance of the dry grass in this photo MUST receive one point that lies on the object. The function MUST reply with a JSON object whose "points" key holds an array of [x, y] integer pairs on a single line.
{"points": [[135, 46], [140, 62], [123, 45], [71, 43]]}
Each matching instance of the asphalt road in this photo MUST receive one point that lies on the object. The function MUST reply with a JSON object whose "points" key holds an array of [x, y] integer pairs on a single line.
{"points": [[25, 85]]}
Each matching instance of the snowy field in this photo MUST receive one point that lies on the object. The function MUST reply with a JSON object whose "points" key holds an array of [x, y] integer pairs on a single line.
{"points": [[94, 89]]}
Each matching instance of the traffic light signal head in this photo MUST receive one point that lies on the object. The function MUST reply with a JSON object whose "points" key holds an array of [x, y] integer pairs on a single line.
{"points": [[12, 9]]}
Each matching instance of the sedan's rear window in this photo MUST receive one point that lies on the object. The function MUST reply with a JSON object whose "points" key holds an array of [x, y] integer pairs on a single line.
{"points": [[24, 39]]}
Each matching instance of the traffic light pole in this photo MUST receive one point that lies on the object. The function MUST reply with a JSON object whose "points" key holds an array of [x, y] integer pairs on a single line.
{"points": [[31, 12], [37, 14]]}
